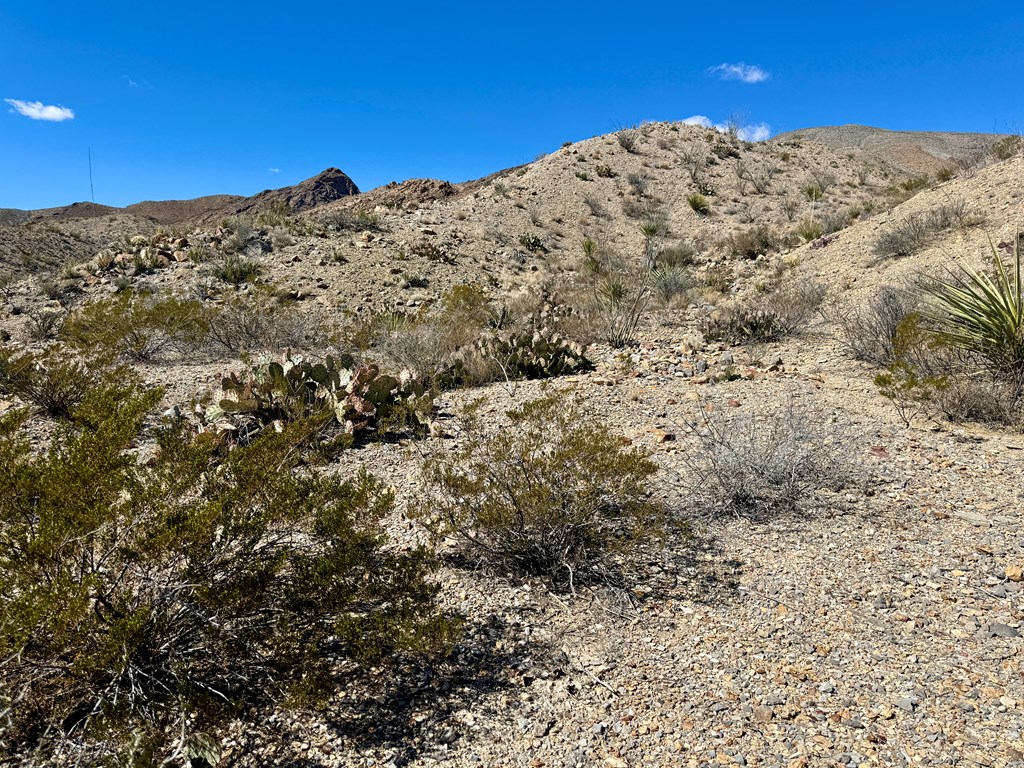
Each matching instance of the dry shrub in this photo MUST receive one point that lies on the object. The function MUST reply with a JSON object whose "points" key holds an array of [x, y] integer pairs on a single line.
{"points": [[869, 332], [768, 317], [759, 465], [263, 324]]}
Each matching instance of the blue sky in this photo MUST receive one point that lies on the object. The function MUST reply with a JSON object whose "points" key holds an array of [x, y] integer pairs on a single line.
{"points": [[177, 100]]}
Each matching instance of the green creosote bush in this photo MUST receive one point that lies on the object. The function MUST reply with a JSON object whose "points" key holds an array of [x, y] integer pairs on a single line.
{"points": [[144, 603], [55, 381], [139, 328], [553, 494], [908, 380]]}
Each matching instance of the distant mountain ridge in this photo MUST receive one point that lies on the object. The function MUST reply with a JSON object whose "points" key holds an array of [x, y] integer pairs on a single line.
{"points": [[327, 186], [909, 152]]}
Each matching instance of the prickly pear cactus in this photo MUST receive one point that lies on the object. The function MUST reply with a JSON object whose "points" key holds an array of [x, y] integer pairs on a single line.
{"points": [[356, 399], [538, 355]]}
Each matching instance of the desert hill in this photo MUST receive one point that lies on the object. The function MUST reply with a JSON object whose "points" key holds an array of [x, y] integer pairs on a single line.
{"points": [[877, 620], [907, 152]]}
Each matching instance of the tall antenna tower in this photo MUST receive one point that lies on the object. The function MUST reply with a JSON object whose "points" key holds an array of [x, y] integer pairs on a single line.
{"points": [[92, 192]]}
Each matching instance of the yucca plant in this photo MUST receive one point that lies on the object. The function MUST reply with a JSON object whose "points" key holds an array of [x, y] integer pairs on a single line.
{"points": [[983, 314]]}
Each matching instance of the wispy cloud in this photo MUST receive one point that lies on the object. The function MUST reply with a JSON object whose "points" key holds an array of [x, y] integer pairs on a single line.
{"points": [[274, 170], [745, 73], [752, 132], [131, 82], [36, 110]]}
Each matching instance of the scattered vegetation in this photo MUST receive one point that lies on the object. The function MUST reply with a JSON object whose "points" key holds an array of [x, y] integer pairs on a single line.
{"points": [[911, 234], [765, 317]]}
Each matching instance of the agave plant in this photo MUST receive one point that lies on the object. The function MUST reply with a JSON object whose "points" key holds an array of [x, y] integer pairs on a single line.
{"points": [[983, 313]]}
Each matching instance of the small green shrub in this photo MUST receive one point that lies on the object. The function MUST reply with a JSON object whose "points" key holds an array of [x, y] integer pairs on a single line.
{"points": [[604, 171], [911, 386], [54, 380], [755, 241], [809, 230], [813, 192], [699, 203], [682, 254], [236, 270], [554, 493]]}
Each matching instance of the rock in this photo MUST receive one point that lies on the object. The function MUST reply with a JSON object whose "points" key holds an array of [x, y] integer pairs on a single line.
{"points": [[763, 714], [1002, 630], [1013, 573], [972, 517], [906, 704], [661, 436], [726, 358]]}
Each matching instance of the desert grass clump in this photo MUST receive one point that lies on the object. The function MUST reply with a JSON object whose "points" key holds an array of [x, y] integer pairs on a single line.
{"points": [[629, 140], [237, 270], [147, 602], [554, 494], [755, 241], [699, 203], [759, 466], [1007, 147]]}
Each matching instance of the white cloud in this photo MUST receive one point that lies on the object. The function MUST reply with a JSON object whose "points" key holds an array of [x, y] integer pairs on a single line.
{"points": [[699, 120], [131, 83], [745, 73], [274, 170], [756, 132], [753, 132], [36, 110]]}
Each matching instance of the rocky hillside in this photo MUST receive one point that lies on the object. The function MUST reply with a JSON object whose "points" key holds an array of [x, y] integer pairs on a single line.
{"points": [[874, 618]]}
